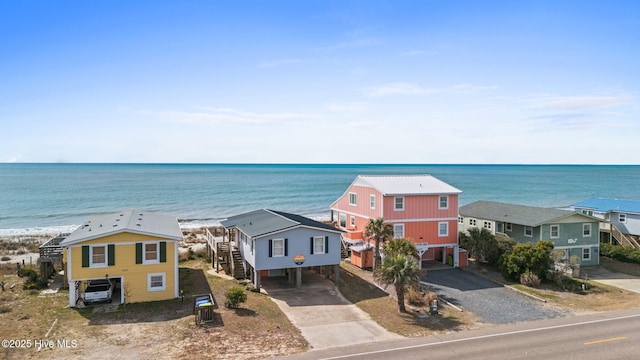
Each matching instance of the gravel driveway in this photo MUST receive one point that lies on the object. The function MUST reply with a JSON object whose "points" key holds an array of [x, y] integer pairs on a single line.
{"points": [[492, 303]]}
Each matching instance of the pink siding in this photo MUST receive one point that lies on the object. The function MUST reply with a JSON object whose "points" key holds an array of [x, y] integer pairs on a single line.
{"points": [[420, 207], [362, 206], [428, 230]]}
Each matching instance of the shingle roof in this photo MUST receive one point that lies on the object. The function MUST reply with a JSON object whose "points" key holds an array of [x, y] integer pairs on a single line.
{"points": [[261, 222], [131, 220], [607, 205], [406, 184], [511, 213]]}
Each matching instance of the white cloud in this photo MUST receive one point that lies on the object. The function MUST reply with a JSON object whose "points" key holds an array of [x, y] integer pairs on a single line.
{"points": [[348, 107], [404, 88], [276, 63], [361, 43], [572, 103], [225, 115]]}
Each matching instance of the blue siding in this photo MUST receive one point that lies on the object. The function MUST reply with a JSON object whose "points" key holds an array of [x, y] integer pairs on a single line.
{"points": [[298, 241]]}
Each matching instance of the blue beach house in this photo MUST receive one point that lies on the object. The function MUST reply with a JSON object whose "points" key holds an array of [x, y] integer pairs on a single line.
{"points": [[275, 243], [574, 233], [621, 218]]}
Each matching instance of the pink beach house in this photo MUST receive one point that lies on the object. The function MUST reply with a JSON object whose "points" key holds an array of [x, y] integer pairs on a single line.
{"points": [[421, 208]]}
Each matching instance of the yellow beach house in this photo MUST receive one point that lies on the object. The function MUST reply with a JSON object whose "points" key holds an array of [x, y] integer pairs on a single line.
{"points": [[136, 251]]}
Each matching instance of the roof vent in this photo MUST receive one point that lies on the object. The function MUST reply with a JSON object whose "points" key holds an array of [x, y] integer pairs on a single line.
{"points": [[138, 225], [121, 214], [115, 225], [100, 225]]}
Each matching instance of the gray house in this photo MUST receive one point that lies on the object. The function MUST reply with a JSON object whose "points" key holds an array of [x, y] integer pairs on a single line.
{"points": [[621, 217], [275, 243], [574, 233]]}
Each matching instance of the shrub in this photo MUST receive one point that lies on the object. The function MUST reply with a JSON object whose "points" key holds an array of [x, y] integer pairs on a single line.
{"points": [[34, 281], [529, 279], [235, 296], [416, 297], [5, 258], [535, 258], [620, 253]]}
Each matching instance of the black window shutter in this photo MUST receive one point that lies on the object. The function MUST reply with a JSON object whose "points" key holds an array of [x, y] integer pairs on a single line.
{"points": [[286, 247], [326, 244], [85, 255], [270, 248], [163, 251], [111, 250], [311, 251], [138, 253]]}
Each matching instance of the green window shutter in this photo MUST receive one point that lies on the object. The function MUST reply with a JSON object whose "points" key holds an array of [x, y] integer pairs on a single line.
{"points": [[138, 253], [163, 251], [111, 250], [85, 255]]}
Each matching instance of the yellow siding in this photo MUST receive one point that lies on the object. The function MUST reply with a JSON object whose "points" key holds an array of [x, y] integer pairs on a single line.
{"points": [[135, 276]]}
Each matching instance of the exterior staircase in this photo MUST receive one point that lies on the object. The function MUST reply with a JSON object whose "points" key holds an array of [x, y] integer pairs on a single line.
{"points": [[344, 252], [237, 266], [623, 239]]}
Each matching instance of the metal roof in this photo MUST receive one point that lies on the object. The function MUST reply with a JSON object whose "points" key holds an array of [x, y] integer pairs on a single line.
{"points": [[261, 222], [131, 220], [607, 205], [514, 214], [423, 184]]}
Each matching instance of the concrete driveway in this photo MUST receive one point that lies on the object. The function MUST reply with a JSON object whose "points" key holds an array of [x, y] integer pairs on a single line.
{"points": [[602, 275], [325, 318]]}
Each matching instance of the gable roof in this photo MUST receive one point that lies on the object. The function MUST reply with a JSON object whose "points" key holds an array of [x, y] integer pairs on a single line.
{"points": [[423, 184], [261, 222], [608, 205], [515, 214], [131, 220]]}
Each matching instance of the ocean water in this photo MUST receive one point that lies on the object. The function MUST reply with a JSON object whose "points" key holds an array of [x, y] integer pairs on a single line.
{"points": [[44, 198]]}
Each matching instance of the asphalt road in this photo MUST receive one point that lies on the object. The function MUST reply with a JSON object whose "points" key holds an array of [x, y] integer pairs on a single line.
{"points": [[492, 303], [612, 335]]}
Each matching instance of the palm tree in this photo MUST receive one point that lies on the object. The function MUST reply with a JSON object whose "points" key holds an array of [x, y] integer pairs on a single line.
{"points": [[379, 232], [399, 268]]}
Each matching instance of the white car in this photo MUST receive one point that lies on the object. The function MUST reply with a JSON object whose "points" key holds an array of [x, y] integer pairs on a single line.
{"points": [[98, 290]]}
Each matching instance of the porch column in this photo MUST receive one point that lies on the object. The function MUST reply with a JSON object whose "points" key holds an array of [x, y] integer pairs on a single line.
{"points": [[290, 275], [444, 255], [456, 257], [298, 277], [326, 271], [256, 277], [336, 274]]}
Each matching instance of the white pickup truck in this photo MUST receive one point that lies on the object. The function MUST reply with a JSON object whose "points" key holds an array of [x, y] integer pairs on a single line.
{"points": [[98, 290]]}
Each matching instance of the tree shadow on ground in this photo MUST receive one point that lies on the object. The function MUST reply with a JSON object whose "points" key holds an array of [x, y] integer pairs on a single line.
{"points": [[356, 289]]}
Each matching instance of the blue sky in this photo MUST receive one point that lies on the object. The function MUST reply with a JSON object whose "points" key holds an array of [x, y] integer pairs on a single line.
{"points": [[320, 81]]}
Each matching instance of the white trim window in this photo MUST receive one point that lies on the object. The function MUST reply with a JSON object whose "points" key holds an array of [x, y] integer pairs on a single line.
{"points": [[352, 221], [500, 228], [586, 230], [622, 218], [443, 229], [398, 203], [586, 254], [398, 231], [509, 227], [372, 201], [443, 202], [554, 231], [99, 255], [156, 282], [460, 220], [487, 225], [318, 245], [528, 231], [353, 199], [151, 253], [472, 222], [277, 249]]}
